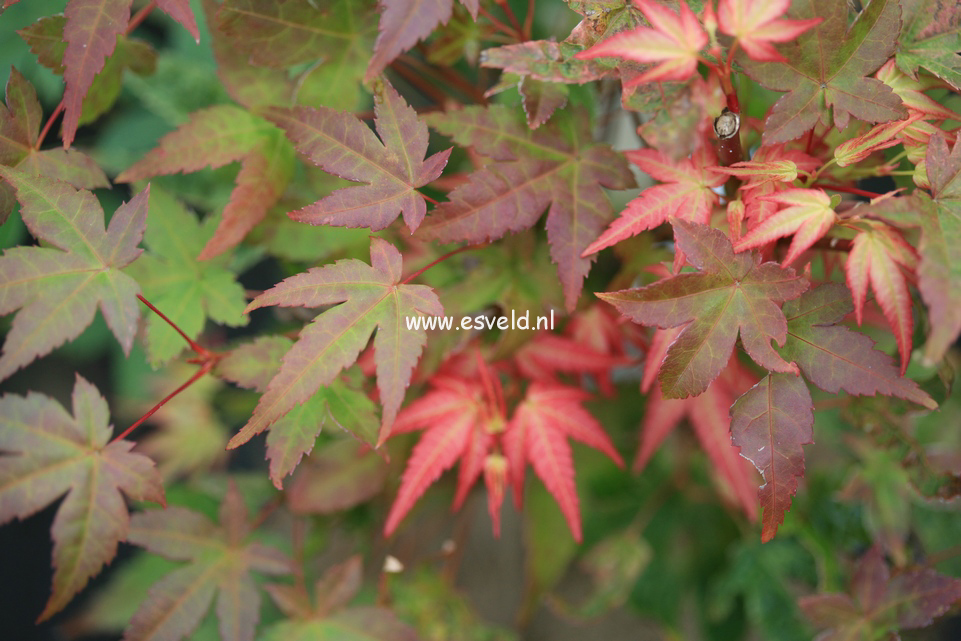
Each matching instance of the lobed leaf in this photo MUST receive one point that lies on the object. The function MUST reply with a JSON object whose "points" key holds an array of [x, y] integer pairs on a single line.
{"points": [[373, 298], [732, 295], [770, 423], [825, 70], [393, 167], [58, 289], [930, 38], [808, 216], [557, 167], [47, 454], [835, 358]]}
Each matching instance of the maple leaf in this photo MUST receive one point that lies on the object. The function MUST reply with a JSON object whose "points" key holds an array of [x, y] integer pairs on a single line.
{"points": [[327, 617], [755, 24], [547, 354], [556, 166], [911, 91], [930, 38], [808, 215], [940, 263], [883, 136], [20, 123], [708, 414], [336, 37], [688, 193], [879, 604], [186, 290], [393, 167], [214, 137], [544, 60], [673, 41], [833, 357], [770, 423], [91, 34], [875, 255], [57, 289], [405, 22], [825, 70], [373, 298], [537, 434], [339, 476], [461, 422], [48, 454], [221, 563], [731, 294]]}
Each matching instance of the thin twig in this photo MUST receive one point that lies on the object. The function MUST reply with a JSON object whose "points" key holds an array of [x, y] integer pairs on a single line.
{"points": [[439, 260], [199, 350], [140, 16], [200, 373]]}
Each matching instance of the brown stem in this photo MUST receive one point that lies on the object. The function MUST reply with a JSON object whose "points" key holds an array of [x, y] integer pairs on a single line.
{"points": [[727, 128], [506, 7], [529, 20], [503, 28]]}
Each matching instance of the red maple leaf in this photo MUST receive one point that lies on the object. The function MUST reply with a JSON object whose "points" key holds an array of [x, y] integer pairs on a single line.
{"points": [[538, 434], [688, 193], [464, 421], [756, 23], [673, 41]]}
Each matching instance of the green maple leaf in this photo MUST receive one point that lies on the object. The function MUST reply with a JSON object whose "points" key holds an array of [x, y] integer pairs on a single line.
{"points": [[48, 454], [373, 298], [186, 290], [826, 67], [221, 560], [342, 403], [940, 268], [337, 36], [557, 167], [931, 38], [58, 289], [732, 294], [19, 131], [214, 137]]}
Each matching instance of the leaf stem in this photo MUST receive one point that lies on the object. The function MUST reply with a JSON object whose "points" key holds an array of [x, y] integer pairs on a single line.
{"points": [[849, 190], [503, 28], [512, 18], [140, 16], [198, 349], [529, 20], [438, 261], [817, 172], [200, 373], [46, 127]]}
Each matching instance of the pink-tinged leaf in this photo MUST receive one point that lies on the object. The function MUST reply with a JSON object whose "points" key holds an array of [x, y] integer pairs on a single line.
{"points": [[58, 292], [688, 194], [544, 60], [911, 91], [673, 41], [940, 266], [556, 167], [538, 430], [405, 22], [755, 24], [91, 36], [731, 295], [757, 173], [826, 67], [660, 343], [373, 299], [541, 100], [770, 423], [214, 137], [835, 358], [930, 38], [877, 252], [48, 454], [180, 11], [808, 215], [878, 605], [393, 167], [220, 565], [253, 364], [880, 137], [548, 354]]}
